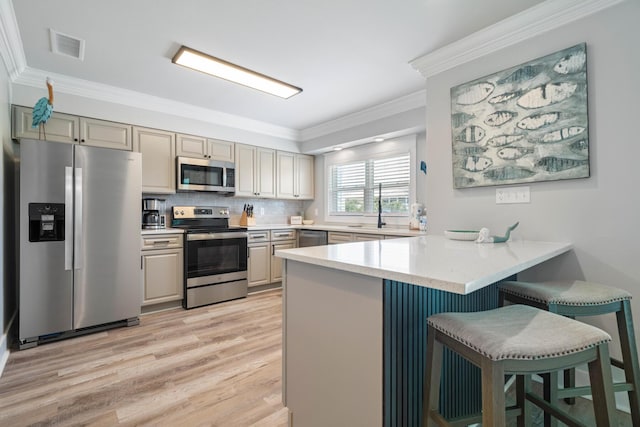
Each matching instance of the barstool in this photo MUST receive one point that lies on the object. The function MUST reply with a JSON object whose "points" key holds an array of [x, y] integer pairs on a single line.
{"points": [[521, 340], [579, 298]]}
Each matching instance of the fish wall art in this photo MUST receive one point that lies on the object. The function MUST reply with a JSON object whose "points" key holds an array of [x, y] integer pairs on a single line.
{"points": [[524, 124]]}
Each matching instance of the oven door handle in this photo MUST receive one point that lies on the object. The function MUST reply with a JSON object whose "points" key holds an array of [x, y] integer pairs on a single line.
{"points": [[214, 236]]}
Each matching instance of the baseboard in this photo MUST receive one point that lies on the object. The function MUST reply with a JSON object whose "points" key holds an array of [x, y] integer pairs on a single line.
{"points": [[4, 353], [4, 345]]}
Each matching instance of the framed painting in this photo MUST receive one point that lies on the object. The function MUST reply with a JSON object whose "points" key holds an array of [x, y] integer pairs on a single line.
{"points": [[525, 124]]}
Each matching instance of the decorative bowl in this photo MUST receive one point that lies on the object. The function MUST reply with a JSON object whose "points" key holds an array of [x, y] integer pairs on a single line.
{"points": [[461, 234], [307, 221]]}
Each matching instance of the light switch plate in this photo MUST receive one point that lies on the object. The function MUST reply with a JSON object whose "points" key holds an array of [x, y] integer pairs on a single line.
{"points": [[513, 195]]}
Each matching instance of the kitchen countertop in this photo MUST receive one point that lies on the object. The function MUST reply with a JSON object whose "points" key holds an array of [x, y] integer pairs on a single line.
{"points": [[431, 261], [342, 228], [169, 230]]}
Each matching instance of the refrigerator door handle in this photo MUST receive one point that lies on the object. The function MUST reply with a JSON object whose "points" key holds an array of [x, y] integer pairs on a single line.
{"points": [[77, 235], [68, 218]]}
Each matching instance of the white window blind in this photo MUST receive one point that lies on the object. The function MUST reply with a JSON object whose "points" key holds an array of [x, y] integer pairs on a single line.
{"points": [[354, 188]]}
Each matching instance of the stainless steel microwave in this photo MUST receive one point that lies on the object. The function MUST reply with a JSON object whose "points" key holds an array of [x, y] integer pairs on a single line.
{"points": [[205, 175]]}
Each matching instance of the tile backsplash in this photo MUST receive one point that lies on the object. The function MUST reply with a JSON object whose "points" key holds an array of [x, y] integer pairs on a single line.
{"points": [[275, 211]]}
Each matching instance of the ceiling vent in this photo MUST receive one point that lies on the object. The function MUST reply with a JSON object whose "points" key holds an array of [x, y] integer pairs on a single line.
{"points": [[63, 44]]}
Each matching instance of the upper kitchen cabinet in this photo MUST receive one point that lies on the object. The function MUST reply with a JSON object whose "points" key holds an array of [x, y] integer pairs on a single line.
{"points": [[204, 148], [158, 159], [255, 171], [73, 129], [295, 176]]}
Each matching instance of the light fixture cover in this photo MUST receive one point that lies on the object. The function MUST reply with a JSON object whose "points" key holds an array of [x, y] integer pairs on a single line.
{"points": [[208, 64]]}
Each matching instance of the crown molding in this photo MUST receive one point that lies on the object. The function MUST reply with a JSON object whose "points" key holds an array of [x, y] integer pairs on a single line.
{"points": [[11, 49], [396, 106], [538, 19]]}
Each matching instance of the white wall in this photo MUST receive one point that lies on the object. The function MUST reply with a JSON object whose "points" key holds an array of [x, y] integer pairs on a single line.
{"points": [[599, 214]]}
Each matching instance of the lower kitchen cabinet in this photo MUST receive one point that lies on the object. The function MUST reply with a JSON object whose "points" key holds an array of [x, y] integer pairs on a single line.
{"points": [[259, 264], [162, 268], [263, 266], [276, 262], [342, 237]]}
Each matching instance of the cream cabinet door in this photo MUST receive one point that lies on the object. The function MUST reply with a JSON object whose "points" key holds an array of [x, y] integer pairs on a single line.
{"points": [[259, 264], [339, 237], [245, 170], [276, 262], [305, 177], [162, 275], [266, 172], [59, 128], [221, 150], [366, 237], [191, 146], [106, 134], [158, 159], [285, 188]]}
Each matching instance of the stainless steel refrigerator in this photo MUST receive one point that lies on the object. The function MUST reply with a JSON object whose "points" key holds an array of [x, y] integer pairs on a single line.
{"points": [[79, 261]]}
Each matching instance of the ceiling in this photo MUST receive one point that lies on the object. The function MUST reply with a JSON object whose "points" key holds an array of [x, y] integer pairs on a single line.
{"points": [[346, 55]]}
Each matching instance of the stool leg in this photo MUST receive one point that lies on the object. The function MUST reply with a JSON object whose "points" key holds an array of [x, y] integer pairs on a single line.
{"points": [[602, 388], [550, 394], [523, 386], [433, 371], [630, 358], [493, 400], [570, 382]]}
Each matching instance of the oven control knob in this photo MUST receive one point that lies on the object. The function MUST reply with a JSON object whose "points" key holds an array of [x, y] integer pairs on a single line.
{"points": [[181, 212], [176, 213]]}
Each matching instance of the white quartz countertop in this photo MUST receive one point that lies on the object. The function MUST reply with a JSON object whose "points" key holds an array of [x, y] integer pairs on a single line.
{"points": [[146, 232], [342, 228], [431, 261]]}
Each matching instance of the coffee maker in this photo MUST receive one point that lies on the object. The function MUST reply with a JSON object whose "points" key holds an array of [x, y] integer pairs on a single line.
{"points": [[153, 216]]}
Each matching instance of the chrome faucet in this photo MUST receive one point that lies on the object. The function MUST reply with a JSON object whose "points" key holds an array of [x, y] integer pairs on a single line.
{"points": [[380, 223]]}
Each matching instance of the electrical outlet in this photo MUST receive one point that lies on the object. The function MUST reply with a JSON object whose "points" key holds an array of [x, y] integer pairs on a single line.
{"points": [[261, 211], [509, 195], [316, 212]]}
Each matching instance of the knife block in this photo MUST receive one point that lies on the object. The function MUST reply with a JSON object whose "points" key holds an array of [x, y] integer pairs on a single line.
{"points": [[247, 220]]}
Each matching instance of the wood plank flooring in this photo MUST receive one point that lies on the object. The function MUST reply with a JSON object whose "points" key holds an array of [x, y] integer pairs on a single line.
{"points": [[212, 366]]}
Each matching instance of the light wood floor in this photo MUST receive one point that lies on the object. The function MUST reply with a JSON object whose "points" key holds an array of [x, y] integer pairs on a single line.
{"points": [[212, 366]]}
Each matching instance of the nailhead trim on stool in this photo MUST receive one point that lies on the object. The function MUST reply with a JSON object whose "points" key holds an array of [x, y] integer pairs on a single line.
{"points": [[521, 340], [575, 298]]}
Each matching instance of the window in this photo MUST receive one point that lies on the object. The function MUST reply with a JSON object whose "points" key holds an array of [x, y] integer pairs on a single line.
{"points": [[355, 177], [354, 188]]}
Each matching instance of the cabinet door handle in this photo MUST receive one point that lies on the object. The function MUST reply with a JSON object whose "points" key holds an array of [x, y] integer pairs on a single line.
{"points": [[273, 249], [158, 242]]}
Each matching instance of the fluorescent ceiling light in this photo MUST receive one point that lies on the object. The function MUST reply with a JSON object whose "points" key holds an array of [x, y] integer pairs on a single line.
{"points": [[378, 139], [199, 61]]}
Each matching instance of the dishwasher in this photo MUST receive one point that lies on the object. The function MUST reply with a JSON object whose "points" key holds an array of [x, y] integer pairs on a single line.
{"points": [[311, 238]]}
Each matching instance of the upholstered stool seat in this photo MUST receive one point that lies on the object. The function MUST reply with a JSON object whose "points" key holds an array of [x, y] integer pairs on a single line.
{"points": [[575, 298], [521, 340]]}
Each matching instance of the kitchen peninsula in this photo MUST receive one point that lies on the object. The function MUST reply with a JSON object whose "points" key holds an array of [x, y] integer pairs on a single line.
{"points": [[354, 323]]}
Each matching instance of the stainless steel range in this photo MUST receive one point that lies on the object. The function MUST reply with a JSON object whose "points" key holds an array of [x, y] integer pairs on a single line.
{"points": [[215, 255]]}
